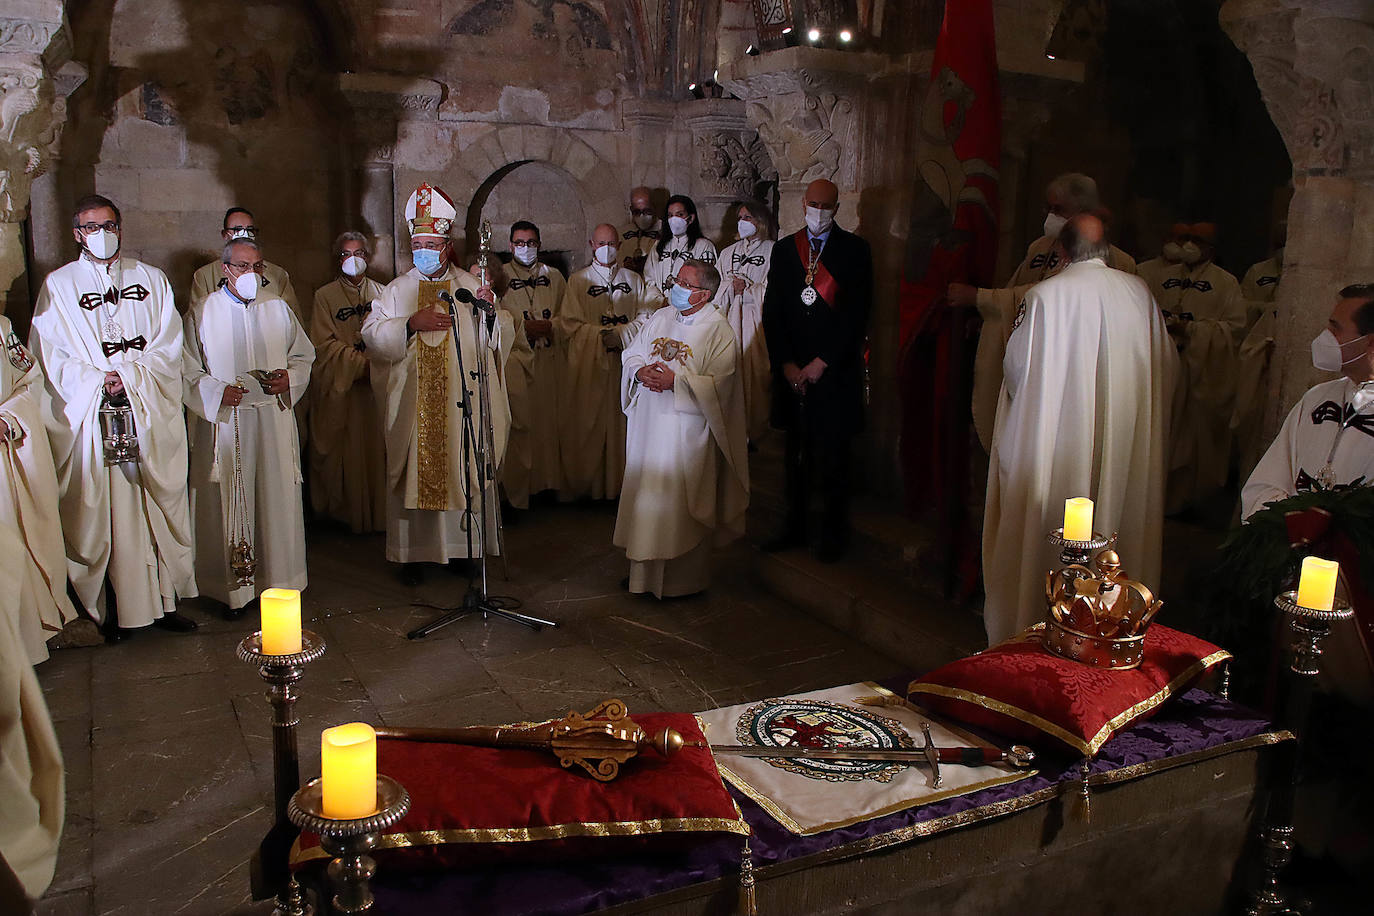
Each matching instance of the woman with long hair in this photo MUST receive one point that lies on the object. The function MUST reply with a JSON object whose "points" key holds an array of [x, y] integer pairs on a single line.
{"points": [[680, 239], [743, 270]]}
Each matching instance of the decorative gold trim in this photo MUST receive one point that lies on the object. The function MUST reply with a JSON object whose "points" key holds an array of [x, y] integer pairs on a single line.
{"points": [[1013, 805], [1092, 746], [431, 410], [767, 804], [532, 834]]}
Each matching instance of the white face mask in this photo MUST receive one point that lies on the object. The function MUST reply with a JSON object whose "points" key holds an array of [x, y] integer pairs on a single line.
{"points": [[819, 221], [1054, 224], [1327, 354], [1363, 396], [354, 266], [525, 254], [605, 255], [678, 226], [246, 286], [102, 244], [746, 228], [644, 220], [1190, 253], [1172, 251]]}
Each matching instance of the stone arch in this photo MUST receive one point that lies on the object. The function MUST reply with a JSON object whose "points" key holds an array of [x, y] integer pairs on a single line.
{"points": [[538, 191], [464, 159]]}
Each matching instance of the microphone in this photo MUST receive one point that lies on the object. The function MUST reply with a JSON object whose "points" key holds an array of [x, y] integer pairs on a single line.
{"points": [[465, 295], [444, 296]]}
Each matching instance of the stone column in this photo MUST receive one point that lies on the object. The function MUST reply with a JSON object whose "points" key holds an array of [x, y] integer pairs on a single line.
{"points": [[380, 102], [1314, 63], [649, 124], [34, 45], [728, 161]]}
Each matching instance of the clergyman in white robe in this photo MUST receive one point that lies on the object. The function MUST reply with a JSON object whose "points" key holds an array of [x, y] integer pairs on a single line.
{"points": [[747, 260], [687, 473], [1088, 378], [602, 310], [534, 294], [225, 339], [32, 781], [131, 521], [28, 499], [426, 517], [347, 455]]}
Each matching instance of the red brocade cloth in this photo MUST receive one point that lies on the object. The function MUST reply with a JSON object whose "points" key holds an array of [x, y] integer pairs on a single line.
{"points": [[1019, 689], [477, 804]]}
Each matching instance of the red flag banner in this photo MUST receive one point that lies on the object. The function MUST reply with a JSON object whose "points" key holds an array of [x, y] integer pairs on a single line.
{"points": [[953, 238]]}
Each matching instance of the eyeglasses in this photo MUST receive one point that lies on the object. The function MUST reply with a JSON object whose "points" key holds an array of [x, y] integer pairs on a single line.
{"points": [[256, 267], [353, 254], [683, 283], [93, 228], [530, 244], [637, 212], [251, 230], [429, 245]]}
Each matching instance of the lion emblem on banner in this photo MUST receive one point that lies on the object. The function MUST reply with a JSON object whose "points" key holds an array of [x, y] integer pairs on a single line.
{"points": [[823, 724]]}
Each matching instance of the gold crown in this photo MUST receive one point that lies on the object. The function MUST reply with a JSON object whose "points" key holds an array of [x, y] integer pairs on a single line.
{"points": [[1096, 615]]}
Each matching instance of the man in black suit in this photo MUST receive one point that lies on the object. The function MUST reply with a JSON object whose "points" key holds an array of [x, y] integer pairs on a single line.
{"points": [[820, 284]]}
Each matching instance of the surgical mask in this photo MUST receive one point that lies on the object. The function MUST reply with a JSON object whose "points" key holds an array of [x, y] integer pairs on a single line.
{"points": [[1054, 224], [246, 286], [679, 297], [1172, 251], [426, 260], [1327, 354], [525, 254], [605, 255], [678, 226], [102, 244], [819, 221], [644, 220], [746, 228], [241, 232], [1190, 253], [354, 266]]}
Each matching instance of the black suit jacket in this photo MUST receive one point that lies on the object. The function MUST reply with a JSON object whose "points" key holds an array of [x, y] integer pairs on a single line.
{"points": [[834, 331]]}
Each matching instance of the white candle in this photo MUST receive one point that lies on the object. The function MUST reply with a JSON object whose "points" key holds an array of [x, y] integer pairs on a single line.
{"points": [[1078, 519], [1317, 586]]}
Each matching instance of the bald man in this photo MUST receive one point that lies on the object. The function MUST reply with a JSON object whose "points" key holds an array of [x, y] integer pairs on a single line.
{"points": [[1065, 197], [643, 231], [815, 312], [1083, 411], [603, 308]]}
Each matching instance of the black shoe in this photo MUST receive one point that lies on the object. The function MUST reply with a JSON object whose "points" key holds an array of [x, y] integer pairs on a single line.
{"points": [[116, 634], [173, 622], [412, 574], [785, 541], [237, 613]]}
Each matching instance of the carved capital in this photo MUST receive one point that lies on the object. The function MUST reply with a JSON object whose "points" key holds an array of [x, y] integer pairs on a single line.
{"points": [[806, 105], [32, 115], [380, 101], [1314, 64]]}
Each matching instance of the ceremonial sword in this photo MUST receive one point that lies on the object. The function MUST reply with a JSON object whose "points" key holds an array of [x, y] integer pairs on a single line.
{"points": [[1018, 756]]}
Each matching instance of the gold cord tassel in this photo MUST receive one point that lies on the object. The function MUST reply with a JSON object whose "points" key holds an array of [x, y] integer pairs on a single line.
{"points": [[1084, 811], [748, 905]]}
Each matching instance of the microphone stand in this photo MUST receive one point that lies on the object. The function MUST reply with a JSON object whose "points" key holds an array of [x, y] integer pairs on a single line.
{"points": [[476, 445]]}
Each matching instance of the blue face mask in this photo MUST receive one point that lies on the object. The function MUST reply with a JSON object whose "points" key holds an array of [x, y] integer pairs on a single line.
{"points": [[678, 297], [426, 260]]}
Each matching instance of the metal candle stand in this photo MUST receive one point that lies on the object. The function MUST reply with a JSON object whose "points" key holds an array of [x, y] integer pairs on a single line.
{"points": [[1076, 552], [271, 875], [1310, 627], [349, 840]]}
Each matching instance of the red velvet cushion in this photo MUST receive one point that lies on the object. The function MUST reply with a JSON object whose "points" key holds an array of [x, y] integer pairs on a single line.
{"points": [[1020, 690], [473, 804]]}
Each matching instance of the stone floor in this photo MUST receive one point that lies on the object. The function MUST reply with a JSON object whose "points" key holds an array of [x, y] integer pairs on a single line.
{"points": [[167, 738]]}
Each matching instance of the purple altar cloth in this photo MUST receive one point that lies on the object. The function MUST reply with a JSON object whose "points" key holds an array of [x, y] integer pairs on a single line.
{"points": [[1196, 724]]}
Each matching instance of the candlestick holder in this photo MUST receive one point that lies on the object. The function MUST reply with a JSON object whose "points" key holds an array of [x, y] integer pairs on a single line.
{"points": [[348, 840], [1076, 552], [1310, 626], [269, 870]]}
